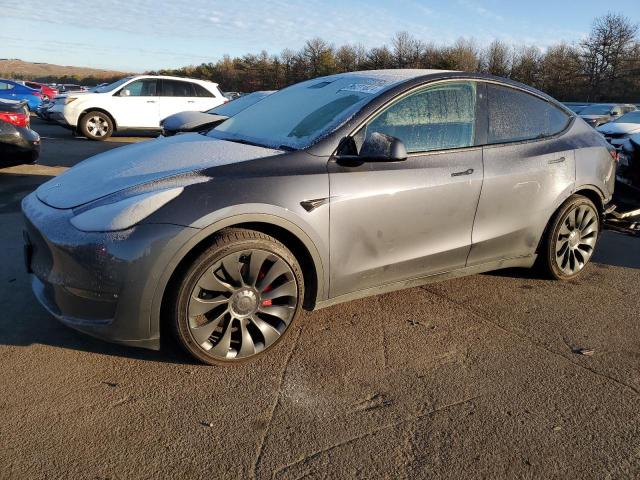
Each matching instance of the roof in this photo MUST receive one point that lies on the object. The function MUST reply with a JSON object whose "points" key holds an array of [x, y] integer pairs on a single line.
{"points": [[169, 77]]}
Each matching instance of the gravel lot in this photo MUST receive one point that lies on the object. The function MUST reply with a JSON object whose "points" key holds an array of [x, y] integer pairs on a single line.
{"points": [[481, 377]]}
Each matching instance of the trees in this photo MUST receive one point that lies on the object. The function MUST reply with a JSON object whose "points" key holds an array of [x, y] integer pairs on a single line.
{"points": [[604, 66]]}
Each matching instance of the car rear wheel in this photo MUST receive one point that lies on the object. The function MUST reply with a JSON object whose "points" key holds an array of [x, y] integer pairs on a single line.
{"points": [[571, 240], [96, 125], [238, 298]]}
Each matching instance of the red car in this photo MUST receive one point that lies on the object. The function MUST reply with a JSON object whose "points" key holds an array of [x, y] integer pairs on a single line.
{"points": [[47, 92]]}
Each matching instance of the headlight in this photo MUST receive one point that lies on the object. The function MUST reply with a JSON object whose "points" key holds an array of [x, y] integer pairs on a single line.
{"points": [[125, 213], [68, 100]]}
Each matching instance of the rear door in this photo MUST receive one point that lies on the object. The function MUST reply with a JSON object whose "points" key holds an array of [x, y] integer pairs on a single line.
{"points": [[177, 96], [529, 169], [137, 109], [403, 220]]}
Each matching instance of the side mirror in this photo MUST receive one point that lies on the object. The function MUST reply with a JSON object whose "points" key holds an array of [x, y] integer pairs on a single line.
{"points": [[125, 93], [379, 147]]}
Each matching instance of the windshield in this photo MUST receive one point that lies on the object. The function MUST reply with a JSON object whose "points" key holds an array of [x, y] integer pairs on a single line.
{"points": [[597, 110], [631, 117], [300, 115], [235, 106], [112, 86]]}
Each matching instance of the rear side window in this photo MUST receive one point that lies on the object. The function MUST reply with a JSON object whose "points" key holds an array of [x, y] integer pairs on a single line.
{"points": [[517, 116], [436, 118], [201, 91], [176, 88]]}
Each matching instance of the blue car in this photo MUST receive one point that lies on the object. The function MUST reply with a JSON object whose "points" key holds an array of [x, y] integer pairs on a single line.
{"points": [[10, 90]]}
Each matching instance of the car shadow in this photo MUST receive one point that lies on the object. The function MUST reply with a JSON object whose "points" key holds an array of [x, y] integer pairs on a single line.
{"points": [[614, 249]]}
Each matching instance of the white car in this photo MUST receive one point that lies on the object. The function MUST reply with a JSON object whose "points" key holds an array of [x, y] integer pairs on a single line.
{"points": [[138, 102], [617, 131]]}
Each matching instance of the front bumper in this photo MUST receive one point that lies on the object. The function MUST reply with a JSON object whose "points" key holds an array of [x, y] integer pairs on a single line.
{"points": [[100, 283]]}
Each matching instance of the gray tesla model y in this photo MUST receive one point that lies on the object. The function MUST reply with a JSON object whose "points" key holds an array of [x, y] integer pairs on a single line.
{"points": [[329, 190]]}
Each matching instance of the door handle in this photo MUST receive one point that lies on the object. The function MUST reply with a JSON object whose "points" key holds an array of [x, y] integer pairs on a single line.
{"points": [[151, 101], [191, 101], [557, 160], [460, 174]]}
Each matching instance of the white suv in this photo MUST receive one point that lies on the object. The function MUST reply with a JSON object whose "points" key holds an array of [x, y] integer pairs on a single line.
{"points": [[138, 103]]}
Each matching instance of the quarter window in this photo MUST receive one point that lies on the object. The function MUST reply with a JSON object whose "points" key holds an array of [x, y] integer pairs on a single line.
{"points": [[201, 91], [436, 118], [517, 116], [5, 86]]}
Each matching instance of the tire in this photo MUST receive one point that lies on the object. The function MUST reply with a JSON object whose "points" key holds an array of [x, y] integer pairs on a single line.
{"points": [[571, 239], [237, 299], [96, 125]]}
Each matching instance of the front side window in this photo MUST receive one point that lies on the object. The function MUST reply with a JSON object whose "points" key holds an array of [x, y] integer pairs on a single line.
{"points": [[436, 118], [518, 116], [175, 88], [142, 88]]}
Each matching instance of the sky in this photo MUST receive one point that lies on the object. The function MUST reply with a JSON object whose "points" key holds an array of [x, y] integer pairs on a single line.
{"points": [[139, 35]]}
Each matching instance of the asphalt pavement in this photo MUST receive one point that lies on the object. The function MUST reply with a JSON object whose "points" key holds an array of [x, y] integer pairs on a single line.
{"points": [[502, 375]]}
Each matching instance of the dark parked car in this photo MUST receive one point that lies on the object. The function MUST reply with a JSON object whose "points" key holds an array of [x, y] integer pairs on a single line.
{"points": [[628, 173], [333, 189], [197, 121], [601, 113], [18, 143]]}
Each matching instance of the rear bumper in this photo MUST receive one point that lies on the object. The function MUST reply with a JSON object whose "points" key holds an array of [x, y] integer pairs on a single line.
{"points": [[101, 284], [19, 140]]}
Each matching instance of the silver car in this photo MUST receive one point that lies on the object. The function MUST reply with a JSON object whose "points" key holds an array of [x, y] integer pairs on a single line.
{"points": [[332, 189]]}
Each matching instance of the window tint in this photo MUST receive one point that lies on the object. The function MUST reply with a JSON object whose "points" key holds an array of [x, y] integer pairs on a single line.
{"points": [[438, 117], [516, 116], [175, 88], [142, 88], [201, 91]]}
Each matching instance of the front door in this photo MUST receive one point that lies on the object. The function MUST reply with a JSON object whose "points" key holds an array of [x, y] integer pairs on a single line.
{"points": [[396, 221], [136, 105]]}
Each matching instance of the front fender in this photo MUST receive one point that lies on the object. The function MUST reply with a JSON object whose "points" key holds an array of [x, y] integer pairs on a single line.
{"points": [[203, 228]]}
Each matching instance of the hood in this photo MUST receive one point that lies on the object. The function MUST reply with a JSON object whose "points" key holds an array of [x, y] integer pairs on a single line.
{"points": [[141, 163], [614, 128], [186, 121]]}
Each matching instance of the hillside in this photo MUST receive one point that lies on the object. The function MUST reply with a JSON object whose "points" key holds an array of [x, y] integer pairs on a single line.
{"points": [[32, 70]]}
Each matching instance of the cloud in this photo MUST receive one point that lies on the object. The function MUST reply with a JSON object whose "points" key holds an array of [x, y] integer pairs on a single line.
{"points": [[480, 10]]}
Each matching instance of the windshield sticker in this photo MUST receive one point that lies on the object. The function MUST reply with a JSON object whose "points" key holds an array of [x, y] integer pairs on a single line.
{"points": [[369, 88]]}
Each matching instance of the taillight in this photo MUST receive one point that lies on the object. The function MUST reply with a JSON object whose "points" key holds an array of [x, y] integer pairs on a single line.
{"points": [[17, 119], [614, 154]]}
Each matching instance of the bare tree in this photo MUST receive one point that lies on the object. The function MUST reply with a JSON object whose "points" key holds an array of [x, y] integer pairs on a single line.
{"points": [[497, 59], [606, 51], [526, 65]]}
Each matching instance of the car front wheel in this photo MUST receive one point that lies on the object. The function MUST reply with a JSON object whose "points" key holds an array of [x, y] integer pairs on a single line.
{"points": [[238, 298], [571, 239], [96, 125]]}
